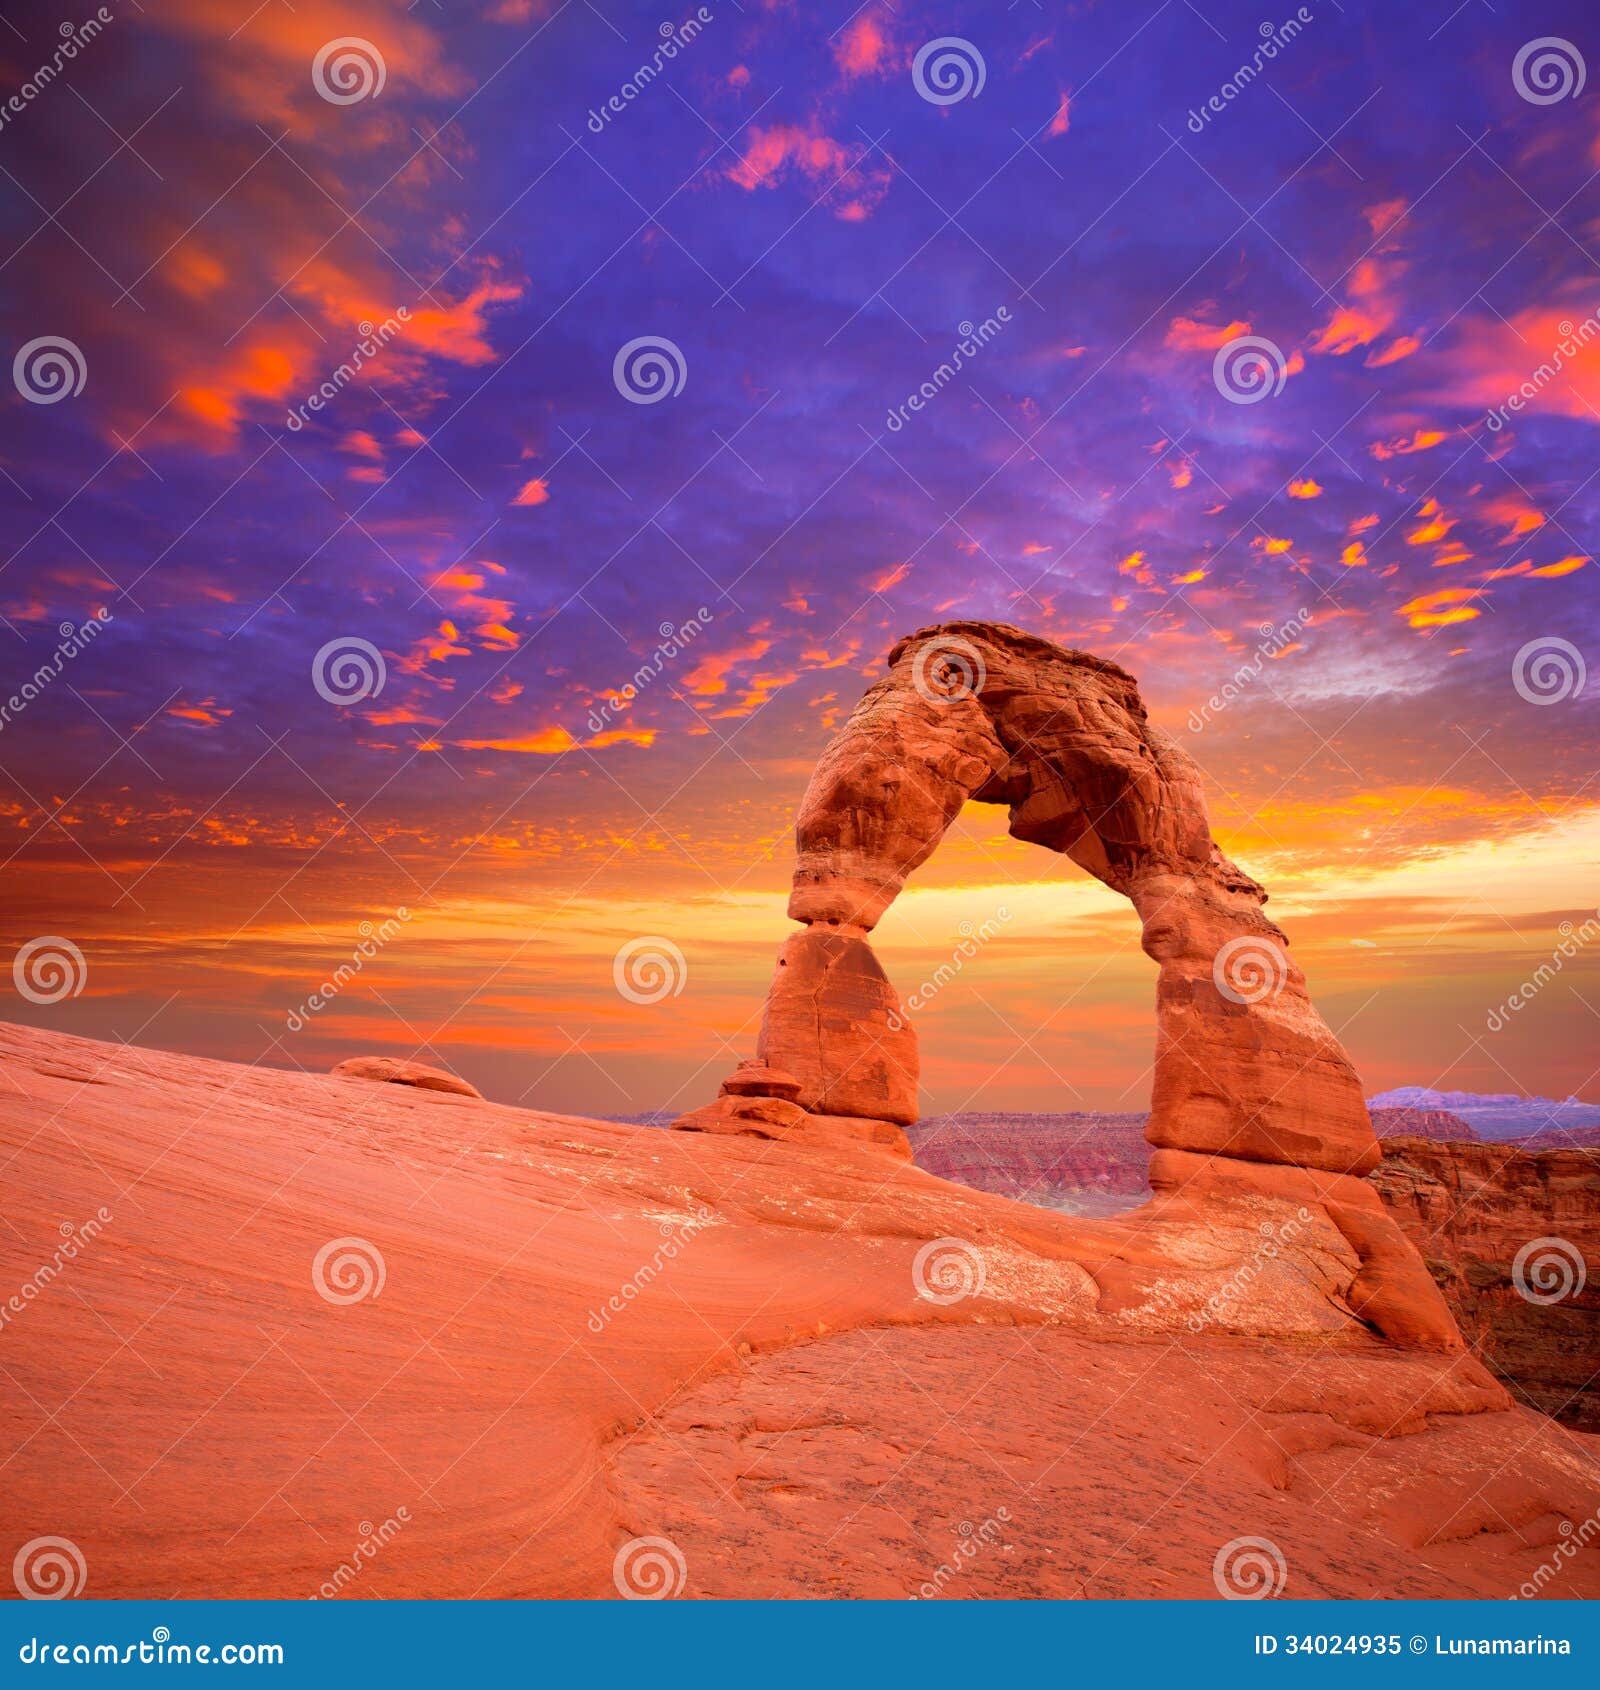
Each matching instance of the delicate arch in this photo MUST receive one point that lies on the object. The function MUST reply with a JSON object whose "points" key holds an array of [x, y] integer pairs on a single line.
{"points": [[1247, 1073]]}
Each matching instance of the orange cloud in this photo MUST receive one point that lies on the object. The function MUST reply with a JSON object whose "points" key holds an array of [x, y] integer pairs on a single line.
{"points": [[1438, 610], [552, 742], [206, 713], [1565, 567], [863, 48], [854, 186], [1435, 528], [709, 675], [1544, 359], [1305, 489], [1421, 441], [1370, 312], [1188, 335], [535, 492], [1400, 347], [1062, 121]]}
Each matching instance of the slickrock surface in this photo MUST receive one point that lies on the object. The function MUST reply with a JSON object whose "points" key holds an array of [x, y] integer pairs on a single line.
{"points": [[1251, 1090], [1470, 1209], [524, 1340]]}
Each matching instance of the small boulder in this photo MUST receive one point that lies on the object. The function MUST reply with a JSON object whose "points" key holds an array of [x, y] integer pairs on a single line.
{"points": [[394, 1072]]}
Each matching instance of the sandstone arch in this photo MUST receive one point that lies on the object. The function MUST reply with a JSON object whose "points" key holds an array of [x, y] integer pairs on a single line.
{"points": [[1252, 1092]]}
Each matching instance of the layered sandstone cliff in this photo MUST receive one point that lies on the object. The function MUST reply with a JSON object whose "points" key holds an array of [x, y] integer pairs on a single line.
{"points": [[1512, 1238]]}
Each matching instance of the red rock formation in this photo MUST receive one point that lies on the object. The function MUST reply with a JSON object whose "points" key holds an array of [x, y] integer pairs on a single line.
{"points": [[391, 1070], [570, 1335], [1245, 1068], [1470, 1209]]}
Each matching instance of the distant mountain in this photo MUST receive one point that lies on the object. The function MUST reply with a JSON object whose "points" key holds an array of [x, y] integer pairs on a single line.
{"points": [[1422, 1123], [1497, 1115]]}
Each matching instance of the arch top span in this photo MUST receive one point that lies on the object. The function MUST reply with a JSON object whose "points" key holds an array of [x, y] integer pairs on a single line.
{"points": [[1246, 1075]]}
